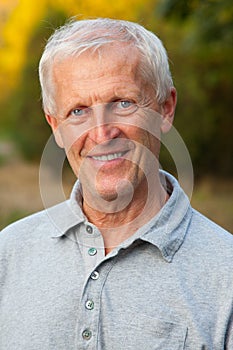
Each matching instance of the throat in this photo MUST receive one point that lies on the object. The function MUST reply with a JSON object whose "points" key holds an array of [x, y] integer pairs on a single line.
{"points": [[118, 222], [115, 210], [125, 209]]}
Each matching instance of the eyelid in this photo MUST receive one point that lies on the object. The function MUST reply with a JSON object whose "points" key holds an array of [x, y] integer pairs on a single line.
{"points": [[117, 102], [124, 111], [124, 99]]}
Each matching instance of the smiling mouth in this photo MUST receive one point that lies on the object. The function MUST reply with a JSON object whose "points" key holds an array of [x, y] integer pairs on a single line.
{"points": [[108, 157]]}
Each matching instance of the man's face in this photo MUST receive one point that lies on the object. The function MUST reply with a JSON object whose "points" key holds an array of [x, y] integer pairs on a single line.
{"points": [[101, 119]]}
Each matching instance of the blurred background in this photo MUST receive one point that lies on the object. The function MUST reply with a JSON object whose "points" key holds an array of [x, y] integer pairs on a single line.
{"points": [[198, 36]]}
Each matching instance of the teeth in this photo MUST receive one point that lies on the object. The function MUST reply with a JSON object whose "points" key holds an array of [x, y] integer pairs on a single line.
{"points": [[106, 157]]}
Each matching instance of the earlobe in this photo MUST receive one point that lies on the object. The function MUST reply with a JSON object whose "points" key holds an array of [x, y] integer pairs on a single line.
{"points": [[53, 122], [168, 111]]}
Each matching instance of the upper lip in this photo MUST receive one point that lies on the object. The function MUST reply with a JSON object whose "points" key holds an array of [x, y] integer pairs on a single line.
{"points": [[111, 147]]}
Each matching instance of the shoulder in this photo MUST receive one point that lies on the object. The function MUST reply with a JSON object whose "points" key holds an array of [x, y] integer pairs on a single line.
{"points": [[204, 225], [210, 238], [206, 256]]}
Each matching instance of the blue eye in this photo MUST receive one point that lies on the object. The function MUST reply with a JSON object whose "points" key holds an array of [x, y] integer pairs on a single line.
{"points": [[126, 104], [77, 112], [124, 107], [78, 115]]}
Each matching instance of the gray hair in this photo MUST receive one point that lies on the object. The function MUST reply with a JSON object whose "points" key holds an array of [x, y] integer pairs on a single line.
{"points": [[77, 37]]}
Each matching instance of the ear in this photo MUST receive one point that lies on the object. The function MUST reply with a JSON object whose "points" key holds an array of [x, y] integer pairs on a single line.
{"points": [[168, 111], [54, 123]]}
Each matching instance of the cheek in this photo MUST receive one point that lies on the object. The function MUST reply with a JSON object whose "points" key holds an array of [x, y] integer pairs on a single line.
{"points": [[150, 150], [72, 141], [73, 154], [73, 148], [73, 161], [154, 145], [148, 140], [77, 163]]}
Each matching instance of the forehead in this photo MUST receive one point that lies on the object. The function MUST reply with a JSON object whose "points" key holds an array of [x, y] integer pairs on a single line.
{"points": [[98, 77], [110, 60]]}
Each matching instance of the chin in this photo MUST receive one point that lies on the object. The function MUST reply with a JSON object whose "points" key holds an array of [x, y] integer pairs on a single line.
{"points": [[108, 193], [109, 196], [120, 191]]}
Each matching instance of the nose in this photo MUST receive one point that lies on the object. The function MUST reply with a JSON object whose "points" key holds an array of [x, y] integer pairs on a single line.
{"points": [[103, 127]]}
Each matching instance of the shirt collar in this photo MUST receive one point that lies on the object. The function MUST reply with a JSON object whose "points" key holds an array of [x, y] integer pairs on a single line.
{"points": [[166, 230], [67, 214]]}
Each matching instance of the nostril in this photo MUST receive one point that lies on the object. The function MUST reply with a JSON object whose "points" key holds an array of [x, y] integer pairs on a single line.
{"points": [[104, 132]]}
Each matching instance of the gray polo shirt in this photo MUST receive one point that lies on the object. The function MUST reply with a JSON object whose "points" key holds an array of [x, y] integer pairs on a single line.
{"points": [[168, 287]]}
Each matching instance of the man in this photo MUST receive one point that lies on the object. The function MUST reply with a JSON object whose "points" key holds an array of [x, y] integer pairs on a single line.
{"points": [[126, 263]]}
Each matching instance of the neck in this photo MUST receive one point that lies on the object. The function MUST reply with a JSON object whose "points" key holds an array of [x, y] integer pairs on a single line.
{"points": [[117, 225]]}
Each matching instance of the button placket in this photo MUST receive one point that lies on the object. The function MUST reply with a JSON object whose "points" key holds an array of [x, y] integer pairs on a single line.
{"points": [[91, 251], [91, 306], [92, 247], [90, 313]]}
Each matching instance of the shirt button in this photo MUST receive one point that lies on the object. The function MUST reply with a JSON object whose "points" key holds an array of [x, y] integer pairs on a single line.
{"points": [[89, 305], [89, 229], [87, 334], [92, 251], [95, 275]]}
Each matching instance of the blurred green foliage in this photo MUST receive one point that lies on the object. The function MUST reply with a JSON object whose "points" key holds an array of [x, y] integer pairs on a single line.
{"points": [[203, 73], [24, 119], [198, 36]]}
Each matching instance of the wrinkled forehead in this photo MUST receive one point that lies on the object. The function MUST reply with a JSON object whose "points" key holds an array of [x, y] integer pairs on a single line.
{"points": [[110, 64], [114, 59], [127, 53]]}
